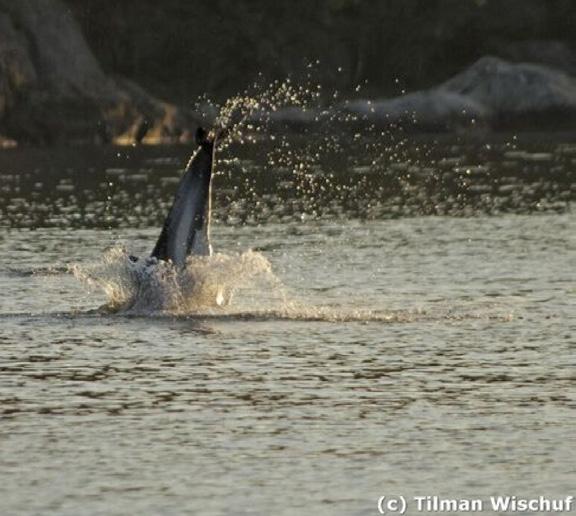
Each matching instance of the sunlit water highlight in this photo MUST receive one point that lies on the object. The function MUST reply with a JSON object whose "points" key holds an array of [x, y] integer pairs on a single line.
{"points": [[398, 325]]}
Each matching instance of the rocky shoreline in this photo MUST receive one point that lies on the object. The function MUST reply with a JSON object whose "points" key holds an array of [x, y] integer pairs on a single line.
{"points": [[490, 95], [53, 90]]}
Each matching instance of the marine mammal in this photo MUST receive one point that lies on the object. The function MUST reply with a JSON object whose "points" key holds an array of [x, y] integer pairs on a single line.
{"points": [[186, 229], [186, 232]]}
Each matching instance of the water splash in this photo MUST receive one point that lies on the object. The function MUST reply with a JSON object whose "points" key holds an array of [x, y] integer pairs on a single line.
{"points": [[248, 116], [148, 286], [233, 287], [240, 286], [306, 137]]}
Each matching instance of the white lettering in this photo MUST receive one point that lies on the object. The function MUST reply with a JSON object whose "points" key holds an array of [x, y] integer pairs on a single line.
{"points": [[449, 505], [420, 502], [500, 503]]}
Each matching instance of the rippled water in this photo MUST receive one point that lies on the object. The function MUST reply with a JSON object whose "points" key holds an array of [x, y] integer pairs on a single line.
{"points": [[418, 337]]}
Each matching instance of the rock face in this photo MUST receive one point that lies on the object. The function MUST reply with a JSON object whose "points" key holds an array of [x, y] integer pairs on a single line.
{"points": [[53, 89], [517, 94], [490, 93], [431, 110]]}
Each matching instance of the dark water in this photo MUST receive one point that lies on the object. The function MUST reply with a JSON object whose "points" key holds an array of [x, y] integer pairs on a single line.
{"points": [[418, 337]]}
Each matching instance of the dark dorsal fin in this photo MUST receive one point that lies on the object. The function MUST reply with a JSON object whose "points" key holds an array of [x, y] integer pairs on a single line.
{"points": [[186, 227]]}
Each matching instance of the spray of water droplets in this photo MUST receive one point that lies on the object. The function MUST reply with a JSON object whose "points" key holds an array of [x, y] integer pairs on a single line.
{"points": [[301, 134], [298, 136], [148, 286]]}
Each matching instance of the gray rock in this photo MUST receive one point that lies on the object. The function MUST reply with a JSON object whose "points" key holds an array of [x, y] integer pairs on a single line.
{"points": [[517, 94], [490, 93], [52, 88], [430, 110], [56, 47]]}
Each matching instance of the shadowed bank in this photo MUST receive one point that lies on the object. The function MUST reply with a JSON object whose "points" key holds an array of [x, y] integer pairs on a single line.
{"points": [[101, 71]]}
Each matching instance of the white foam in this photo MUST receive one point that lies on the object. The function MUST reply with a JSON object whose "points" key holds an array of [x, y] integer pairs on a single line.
{"points": [[149, 286]]}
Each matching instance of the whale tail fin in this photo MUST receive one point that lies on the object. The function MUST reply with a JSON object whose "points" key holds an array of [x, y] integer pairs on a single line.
{"points": [[186, 229]]}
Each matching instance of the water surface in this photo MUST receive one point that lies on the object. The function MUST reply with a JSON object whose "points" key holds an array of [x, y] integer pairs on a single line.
{"points": [[419, 340]]}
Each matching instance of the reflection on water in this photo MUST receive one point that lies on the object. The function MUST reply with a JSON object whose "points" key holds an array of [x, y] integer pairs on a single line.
{"points": [[289, 179], [401, 353]]}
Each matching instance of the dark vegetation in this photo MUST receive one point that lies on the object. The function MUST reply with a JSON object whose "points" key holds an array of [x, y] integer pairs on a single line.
{"points": [[179, 49], [132, 71]]}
